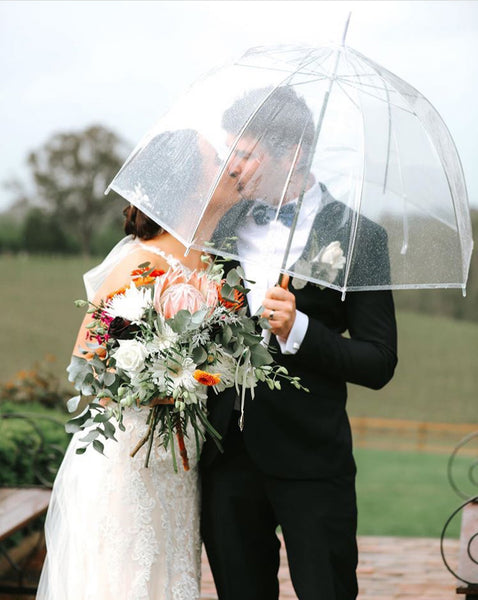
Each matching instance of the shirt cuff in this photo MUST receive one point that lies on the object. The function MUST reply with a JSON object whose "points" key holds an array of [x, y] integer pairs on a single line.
{"points": [[296, 334]]}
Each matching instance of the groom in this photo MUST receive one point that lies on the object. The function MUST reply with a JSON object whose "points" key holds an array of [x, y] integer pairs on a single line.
{"points": [[292, 465]]}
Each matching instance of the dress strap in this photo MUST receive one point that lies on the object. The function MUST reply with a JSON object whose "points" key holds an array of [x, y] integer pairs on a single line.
{"points": [[169, 258]]}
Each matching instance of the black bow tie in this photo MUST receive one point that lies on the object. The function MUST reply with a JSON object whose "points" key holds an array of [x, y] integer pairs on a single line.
{"points": [[263, 213]]}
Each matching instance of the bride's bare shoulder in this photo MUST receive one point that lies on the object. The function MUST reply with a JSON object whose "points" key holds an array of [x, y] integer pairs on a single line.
{"points": [[121, 275]]}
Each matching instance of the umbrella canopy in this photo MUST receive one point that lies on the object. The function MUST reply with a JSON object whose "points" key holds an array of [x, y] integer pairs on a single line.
{"points": [[375, 188]]}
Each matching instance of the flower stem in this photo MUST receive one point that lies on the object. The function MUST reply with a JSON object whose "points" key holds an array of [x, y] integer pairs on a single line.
{"points": [[146, 437], [182, 446], [171, 441]]}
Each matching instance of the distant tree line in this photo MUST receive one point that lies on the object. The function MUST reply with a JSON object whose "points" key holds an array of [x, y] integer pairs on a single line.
{"points": [[65, 211]]}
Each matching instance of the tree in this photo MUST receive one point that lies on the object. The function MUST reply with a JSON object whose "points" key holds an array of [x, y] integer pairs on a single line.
{"points": [[42, 233], [70, 173]]}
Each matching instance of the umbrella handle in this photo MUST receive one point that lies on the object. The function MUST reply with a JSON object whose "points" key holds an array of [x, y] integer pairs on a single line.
{"points": [[283, 281]]}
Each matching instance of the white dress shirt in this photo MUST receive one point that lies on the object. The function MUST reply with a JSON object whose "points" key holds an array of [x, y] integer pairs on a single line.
{"points": [[261, 250]]}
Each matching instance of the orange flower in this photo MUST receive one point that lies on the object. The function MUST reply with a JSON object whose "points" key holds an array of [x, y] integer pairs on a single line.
{"points": [[232, 304], [206, 378], [154, 272], [138, 280]]}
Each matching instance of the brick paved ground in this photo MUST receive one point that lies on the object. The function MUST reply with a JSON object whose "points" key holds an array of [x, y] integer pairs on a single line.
{"points": [[389, 569]]}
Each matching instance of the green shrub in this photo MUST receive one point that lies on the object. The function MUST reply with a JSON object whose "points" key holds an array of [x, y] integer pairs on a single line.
{"points": [[32, 443], [10, 234]]}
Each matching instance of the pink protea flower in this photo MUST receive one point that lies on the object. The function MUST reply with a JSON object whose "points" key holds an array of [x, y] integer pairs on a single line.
{"points": [[177, 290]]}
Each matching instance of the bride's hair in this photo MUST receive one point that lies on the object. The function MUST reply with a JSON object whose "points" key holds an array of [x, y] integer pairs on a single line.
{"points": [[162, 169], [139, 224]]}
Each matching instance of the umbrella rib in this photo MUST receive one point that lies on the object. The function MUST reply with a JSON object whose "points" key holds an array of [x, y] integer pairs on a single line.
{"points": [[298, 70], [367, 93], [357, 208], [277, 69], [348, 95], [309, 165]]}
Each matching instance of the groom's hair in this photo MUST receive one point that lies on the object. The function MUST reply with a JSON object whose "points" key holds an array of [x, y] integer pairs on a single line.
{"points": [[279, 119]]}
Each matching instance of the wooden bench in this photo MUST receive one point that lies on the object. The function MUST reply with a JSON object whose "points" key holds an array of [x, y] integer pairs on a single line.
{"points": [[20, 506]]}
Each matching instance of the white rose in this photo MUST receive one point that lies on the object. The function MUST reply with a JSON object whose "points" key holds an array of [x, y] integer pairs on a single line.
{"points": [[130, 355], [333, 256]]}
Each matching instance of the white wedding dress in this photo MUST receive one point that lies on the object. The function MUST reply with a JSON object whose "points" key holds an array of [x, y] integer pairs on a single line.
{"points": [[116, 530]]}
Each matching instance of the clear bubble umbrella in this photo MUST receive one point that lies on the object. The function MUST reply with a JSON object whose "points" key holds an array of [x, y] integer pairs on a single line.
{"points": [[392, 211]]}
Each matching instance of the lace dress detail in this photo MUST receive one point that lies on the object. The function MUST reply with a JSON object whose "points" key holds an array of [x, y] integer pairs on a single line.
{"points": [[169, 258], [116, 530]]}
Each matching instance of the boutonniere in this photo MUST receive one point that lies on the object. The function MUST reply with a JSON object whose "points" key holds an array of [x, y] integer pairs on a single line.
{"points": [[325, 265]]}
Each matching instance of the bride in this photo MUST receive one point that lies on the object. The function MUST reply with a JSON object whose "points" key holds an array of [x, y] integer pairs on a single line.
{"points": [[116, 530]]}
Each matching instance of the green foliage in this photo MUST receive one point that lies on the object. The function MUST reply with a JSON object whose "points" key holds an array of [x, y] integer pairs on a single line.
{"points": [[10, 234], [104, 238], [31, 448], [43, 233]]}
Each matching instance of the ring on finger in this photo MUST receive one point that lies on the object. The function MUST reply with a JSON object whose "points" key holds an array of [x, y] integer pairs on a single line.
{"points": [[271, 315]]}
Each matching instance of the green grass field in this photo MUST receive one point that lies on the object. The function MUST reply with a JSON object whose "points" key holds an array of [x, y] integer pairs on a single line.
{"points": [[436, 380], [405, 494]]}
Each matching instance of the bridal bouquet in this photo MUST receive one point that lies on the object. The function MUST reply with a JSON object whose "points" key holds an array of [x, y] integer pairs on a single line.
{"points": [[158, 345]]}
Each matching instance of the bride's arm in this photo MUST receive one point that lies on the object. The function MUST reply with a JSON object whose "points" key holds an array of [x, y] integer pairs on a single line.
{"points": [[119, 277]]}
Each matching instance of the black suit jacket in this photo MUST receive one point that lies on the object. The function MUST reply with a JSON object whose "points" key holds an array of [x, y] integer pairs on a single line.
{"points": [[295, 434]]}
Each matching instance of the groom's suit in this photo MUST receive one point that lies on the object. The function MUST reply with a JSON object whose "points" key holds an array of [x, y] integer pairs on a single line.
{"points": [[293, 439]]}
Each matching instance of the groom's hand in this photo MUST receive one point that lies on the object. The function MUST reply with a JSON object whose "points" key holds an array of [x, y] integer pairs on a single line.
{"points": [[279, 309]]}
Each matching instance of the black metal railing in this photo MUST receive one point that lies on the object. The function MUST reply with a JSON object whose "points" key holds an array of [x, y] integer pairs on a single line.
{"points": [[462, 471]]}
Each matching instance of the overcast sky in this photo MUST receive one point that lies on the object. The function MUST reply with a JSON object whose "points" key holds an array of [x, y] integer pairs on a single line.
{"points": [[66, 65]]}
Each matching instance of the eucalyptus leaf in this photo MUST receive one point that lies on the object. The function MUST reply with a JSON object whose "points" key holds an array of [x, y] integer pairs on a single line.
{"points": [[240, 271], [73, 403], [101, 418], [72, 427], [109, 378], [98, 446], [226, 335], [180, 322], [78, 422], [199, 355], [110, 431], [80, 303], [77, 369], [227, 292], [233, 278], [90, 436], [260, 356]]}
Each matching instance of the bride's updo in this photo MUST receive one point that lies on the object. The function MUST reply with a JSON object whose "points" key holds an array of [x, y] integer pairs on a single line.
{"points": [[162, 169], [140, 225]]}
